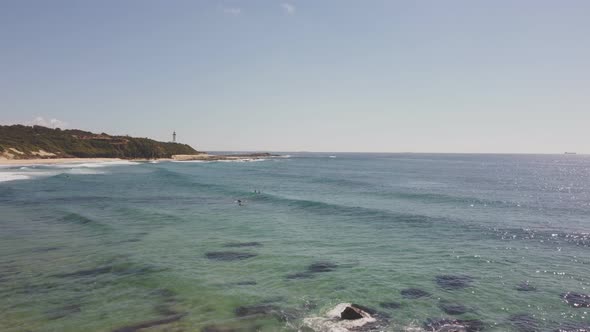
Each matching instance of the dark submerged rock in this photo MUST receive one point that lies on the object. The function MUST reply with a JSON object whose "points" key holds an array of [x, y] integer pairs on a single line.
{"points": [[524, 323], [576, 300], [390, 305], [64, 311], [45, 249], [452, 282], [525, 287], [36, 289], [300, 275], [163, 293], [578, 239], [136, 270], [242, 244], [129, 241], [452, 308], [216, 328], [414, 293], [274, 299], [231, 328], [76, 218], [574, 327], [121, 270], [246, 283], [318, 267], [150, 323], [87, 273], [321, 267], [454, 325], [256, 310], [164, 309], [167, 299], [266, 309], [229, 255]]}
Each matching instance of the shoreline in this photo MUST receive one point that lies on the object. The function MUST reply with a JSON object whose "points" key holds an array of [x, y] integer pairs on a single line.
{"points": [[197, 157], [40, 161], [221, 157]]}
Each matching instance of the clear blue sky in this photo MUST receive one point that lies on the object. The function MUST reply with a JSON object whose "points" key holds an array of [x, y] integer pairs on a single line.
{"points": [[422, 76]]}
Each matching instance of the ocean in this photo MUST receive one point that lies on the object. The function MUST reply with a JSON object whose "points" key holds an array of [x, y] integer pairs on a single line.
{"points": [[499, 240]]}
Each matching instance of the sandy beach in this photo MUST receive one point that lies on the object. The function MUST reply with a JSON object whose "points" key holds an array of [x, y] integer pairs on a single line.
{"points": [[55, 161]]}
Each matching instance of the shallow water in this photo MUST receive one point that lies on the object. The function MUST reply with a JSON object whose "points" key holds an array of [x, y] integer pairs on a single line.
{"points": [[101, 247]]}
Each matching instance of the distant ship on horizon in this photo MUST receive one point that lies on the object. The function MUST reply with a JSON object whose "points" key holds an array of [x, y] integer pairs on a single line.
{"points": [[569, 152]]}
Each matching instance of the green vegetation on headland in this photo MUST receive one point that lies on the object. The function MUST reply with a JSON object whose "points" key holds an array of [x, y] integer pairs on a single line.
{"points": [[28, 142]]}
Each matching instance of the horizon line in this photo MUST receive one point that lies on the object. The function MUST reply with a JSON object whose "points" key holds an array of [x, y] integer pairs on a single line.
{"points": [[409, 152]]}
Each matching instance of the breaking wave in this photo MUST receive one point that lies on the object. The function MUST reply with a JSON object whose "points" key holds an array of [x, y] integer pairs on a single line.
{"points": [[30, 172]]}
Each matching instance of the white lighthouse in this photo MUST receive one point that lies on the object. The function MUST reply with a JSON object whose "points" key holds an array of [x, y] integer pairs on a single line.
{"points": [[174, 137]]}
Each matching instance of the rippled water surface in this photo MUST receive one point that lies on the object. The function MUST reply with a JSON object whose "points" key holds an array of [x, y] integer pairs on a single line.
{"points": [[165, 247]]}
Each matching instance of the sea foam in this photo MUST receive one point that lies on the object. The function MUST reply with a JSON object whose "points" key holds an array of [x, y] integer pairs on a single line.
{"points": [[12, 176], [96, 164], [27, 172]]}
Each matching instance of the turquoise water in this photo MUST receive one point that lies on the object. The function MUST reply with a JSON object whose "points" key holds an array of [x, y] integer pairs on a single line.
{"points": [[101, 247]]}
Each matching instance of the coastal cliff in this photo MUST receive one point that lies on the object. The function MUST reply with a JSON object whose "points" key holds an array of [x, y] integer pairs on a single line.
{"points": [[37, 142]]}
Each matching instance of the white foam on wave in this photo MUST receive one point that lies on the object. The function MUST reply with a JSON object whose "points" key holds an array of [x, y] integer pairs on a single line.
{"points": [[25, 174], [241, 160], [96, 164], [12, 176], [83, 171], [46, 170], [43, 173]]}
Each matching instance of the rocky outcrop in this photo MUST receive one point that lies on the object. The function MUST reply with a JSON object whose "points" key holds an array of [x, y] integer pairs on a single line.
{"points": [[526, 287], [576, 300], [351, 313], [211, 157], [347, 317]]}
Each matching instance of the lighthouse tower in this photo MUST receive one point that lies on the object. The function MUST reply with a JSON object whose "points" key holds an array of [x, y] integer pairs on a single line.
{"points": [[174, 137]]}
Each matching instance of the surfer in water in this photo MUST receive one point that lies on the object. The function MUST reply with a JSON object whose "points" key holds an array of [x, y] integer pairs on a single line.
{"points": [[239, 201]]}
